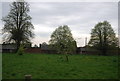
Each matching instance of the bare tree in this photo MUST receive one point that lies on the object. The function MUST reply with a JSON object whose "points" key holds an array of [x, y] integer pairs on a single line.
{"points": [[17, 24]]}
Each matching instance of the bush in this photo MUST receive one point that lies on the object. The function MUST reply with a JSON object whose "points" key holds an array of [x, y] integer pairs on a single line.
{"points": [[20, 50]]}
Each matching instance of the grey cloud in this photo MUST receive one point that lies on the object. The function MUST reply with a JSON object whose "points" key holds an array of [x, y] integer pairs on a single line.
{"points": [[5, 8], [42, 34], [86, 12]]}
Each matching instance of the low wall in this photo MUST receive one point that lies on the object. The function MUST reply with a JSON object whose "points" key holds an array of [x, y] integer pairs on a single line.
{"points": [[39, 50], [33, 50], [88, 51]]}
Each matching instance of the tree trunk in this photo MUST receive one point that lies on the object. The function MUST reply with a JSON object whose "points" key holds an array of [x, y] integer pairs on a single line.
{"points": [[66, 57], [18, 45], [104, 51]]}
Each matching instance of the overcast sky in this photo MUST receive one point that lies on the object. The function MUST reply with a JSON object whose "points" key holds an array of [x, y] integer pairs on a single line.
{"points": [[81, 17]]}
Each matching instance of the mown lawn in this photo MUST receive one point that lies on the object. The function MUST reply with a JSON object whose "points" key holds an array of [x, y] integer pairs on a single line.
{"points": [[51, 66]]}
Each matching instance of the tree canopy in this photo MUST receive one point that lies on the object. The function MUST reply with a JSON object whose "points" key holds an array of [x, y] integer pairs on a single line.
{"points": [[17, 24], [62, 40], [103, 37]]}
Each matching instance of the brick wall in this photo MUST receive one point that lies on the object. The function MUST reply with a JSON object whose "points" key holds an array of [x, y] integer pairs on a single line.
{"points": [[33, 50], [39, 50]]}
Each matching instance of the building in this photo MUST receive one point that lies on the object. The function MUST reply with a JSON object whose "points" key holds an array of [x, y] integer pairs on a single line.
{"points": [[81, 50], [8, 48], [43, 48]]}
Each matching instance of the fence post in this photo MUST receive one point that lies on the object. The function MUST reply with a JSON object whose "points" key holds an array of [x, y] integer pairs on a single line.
{"points": [[28, 77]]}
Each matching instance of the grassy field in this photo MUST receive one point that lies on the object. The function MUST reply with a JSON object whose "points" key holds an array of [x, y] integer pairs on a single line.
{"points": [[51, 66]]}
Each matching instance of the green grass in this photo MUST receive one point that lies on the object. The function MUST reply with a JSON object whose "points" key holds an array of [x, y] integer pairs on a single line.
{"points": [[51, 66]]}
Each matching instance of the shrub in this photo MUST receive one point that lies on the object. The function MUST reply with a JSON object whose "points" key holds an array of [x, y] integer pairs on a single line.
{"points": [[20, 50]]}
